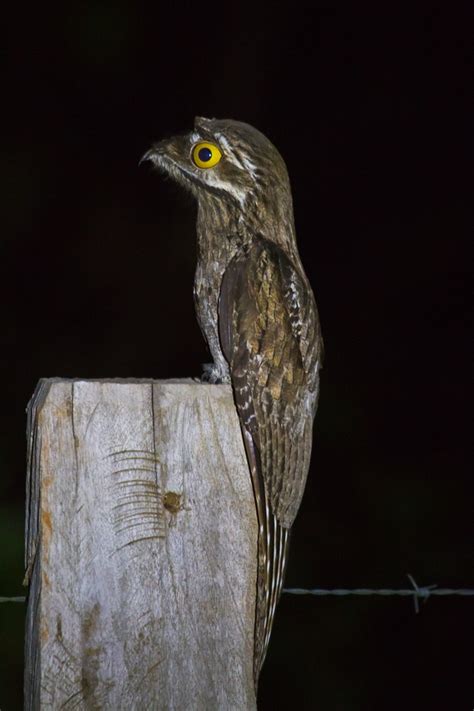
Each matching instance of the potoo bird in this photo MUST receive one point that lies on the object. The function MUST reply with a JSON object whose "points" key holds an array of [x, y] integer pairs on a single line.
{"points": [[258, 315]]}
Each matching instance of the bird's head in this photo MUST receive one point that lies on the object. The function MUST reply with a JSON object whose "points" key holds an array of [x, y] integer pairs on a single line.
{"points": [[228, 159]]}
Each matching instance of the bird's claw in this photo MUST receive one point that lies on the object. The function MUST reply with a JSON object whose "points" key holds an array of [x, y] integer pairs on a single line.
{"points": [[213, 374]]}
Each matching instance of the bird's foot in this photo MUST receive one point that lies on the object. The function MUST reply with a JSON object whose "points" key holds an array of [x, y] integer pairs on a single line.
{"points": [[212, 373]]}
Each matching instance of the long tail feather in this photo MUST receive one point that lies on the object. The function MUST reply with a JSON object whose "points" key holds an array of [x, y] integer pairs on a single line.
{"points": [[273, 542]]}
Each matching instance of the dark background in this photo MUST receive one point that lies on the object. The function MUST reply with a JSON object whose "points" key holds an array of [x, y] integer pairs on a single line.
{"points": [[97, 257]]}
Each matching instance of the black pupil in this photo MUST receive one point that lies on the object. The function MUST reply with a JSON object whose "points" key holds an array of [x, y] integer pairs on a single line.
{"points": [[205, 154]]}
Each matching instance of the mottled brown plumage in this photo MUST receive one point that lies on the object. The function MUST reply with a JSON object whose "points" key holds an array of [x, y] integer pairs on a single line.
{"points": [[259, 317]]}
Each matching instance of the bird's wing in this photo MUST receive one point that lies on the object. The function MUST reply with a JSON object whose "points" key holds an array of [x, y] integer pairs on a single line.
{"points": [[269, 333]]}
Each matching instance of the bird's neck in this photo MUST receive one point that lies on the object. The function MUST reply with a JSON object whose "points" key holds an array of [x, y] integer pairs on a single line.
{"points": [[224, 227], [216, 219]]}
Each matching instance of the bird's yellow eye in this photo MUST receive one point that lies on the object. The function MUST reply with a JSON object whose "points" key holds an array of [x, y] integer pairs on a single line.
{"points": [[206, 155]]}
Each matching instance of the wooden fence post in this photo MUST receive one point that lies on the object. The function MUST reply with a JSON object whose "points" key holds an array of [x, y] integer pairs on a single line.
{"points": [[140, 548]]}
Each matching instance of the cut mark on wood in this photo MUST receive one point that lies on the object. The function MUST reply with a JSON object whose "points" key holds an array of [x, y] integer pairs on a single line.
{"points": [[138, 512], [136, 458], [135, 469], [146, 452]]}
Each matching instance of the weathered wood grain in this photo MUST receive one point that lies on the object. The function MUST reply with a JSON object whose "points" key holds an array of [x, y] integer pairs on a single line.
{"points": [[140, 548]]}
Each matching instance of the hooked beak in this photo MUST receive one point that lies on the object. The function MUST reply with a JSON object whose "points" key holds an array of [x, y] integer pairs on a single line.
{"points": [[146, 156], [166, 156], [155, 154], [166, 151], [151, 155]]}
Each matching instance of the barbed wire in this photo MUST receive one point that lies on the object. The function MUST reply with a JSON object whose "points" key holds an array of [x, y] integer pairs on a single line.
{"points": [[416, 592], [12, 599]]}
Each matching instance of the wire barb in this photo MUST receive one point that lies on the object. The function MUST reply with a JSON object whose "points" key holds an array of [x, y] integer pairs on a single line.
{"points": [[417, 593]]}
